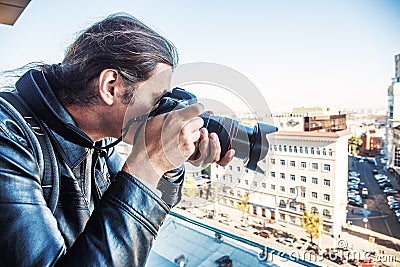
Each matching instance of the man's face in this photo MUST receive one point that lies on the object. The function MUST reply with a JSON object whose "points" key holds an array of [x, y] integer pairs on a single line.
{"points": [[146, 96]]}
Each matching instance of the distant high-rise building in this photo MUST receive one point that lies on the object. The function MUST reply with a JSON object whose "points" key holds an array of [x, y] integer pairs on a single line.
{"points": [[392, 146], [397, 66]]}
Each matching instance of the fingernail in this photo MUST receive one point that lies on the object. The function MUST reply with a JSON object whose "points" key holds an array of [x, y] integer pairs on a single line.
{"points": [[213, 136], [231, 153]]}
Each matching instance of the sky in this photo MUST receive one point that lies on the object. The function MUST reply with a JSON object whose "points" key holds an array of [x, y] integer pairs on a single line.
{"points": [[325, 53]]}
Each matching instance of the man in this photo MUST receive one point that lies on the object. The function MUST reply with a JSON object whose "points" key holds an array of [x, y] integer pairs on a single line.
{"points": [[70, 200]]}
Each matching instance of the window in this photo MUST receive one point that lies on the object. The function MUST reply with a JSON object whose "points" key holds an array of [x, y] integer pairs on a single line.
{"points": [[312, 151], [292, 205], [330, 152], [326, 213], [295, 149], [264, 185], [284, 148], [292, 218], [324, 152], [223, 177], [282, 216], [273, 187], [303, 179], [273, 175], [327, 182], [318, 151], [303, 165], [230, 167], [314, 210], [301, 149], [306, 150], [238, 169], [293, 177], [272, 161], [282, 189], [246, 182], [302, 207], [282, 204], [327, 197], [246, 170], [292, 190], [283, 162], [282, 175], [290, 149], [280, 147], [314, 194], [255, 183], [303, 194], [327, 167], [275, 148], [314, 180], [314, 166], [292, 163], [216, 176]]}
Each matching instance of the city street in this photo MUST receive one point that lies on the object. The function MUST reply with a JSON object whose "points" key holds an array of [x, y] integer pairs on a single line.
{"points": [[380, 217]]}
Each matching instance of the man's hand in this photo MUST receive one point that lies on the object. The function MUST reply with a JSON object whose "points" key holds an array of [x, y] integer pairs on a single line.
{"points": [[165, 142], [209, 150]]}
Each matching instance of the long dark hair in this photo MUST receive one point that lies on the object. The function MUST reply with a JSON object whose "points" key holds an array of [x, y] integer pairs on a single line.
{"points": [[119, 42]]}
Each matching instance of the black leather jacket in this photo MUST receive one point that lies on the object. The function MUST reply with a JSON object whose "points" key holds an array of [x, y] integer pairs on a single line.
{"points": [[108, 219]]}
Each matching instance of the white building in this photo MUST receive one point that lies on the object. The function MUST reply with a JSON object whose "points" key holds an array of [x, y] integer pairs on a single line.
{"points": [[303, 170], [393, 114]]}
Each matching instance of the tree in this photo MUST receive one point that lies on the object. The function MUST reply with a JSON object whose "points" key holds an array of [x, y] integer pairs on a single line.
{"points": [[189, 187], [243, 205], [312, 222], [354, 143]]}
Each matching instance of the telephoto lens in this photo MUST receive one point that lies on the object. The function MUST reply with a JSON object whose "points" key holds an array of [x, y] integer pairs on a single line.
{"points": [[250, 144]]}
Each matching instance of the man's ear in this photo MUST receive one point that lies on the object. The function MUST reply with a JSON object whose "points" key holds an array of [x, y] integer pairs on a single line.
{"points": [[108, 84]]}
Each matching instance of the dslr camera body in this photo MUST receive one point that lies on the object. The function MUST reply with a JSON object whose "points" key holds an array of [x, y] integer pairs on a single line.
{"points": [[250, 144]]}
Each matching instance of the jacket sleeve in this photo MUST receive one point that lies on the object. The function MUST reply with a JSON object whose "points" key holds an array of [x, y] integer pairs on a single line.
{"points": [[122, 228], [120, 231]]}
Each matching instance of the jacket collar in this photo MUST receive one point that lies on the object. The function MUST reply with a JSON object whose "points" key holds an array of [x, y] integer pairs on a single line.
{"points": [[73, 154]]}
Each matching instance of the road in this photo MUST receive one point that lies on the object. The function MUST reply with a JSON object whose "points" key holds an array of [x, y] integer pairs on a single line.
{"points": [[381, 219]]}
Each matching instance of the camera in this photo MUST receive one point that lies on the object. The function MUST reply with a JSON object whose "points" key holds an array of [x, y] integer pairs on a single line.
{"points": [[250, 144]]}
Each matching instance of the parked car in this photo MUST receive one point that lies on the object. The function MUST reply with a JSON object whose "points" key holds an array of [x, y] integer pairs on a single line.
{"points": [[392, 191], [364, 193], [384, 184], [379, 176], [263, 234], [395, 206], [243, 227], [353, 202], [286, 241], [225, 221], [335, 257], [375, 171], [352, 173], [382, 179], [352, 179]]}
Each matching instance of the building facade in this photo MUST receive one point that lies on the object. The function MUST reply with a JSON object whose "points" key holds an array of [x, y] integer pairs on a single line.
{"points": [[393, 119], [303, 171]]}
